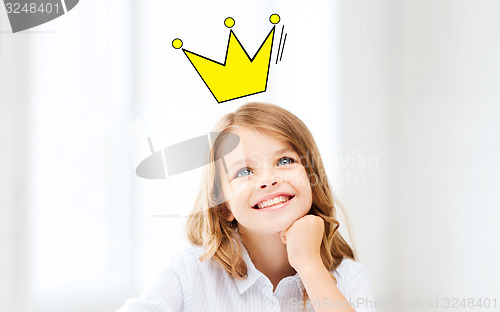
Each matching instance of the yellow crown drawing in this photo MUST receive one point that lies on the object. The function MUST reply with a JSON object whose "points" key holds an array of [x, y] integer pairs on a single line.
{"points": [[239, 75]]}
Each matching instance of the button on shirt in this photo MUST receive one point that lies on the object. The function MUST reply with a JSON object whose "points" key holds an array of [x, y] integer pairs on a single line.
{"points": [[188, 284]]}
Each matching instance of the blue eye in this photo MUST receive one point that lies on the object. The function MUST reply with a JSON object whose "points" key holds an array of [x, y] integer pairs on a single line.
{"points": [[286, 160], [242, 173]]}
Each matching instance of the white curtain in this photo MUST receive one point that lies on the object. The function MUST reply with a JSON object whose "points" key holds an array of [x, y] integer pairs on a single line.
{"points": [[67, 228]]}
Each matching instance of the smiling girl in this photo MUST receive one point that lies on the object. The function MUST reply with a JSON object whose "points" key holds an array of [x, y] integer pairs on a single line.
{"points": [[264, 228]]}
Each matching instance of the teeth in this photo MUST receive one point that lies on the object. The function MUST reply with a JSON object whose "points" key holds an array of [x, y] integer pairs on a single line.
{"points": [[274, 201]]}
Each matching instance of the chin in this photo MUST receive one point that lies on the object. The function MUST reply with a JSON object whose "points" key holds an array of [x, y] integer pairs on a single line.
{"points": [[283, 224]]}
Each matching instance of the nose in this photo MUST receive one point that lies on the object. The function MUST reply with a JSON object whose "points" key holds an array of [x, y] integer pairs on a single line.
{"points": [[268, 176], [263, 186]]}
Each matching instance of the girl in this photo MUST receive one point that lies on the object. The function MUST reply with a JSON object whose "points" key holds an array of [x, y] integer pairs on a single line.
{"points": [[264, 228]]}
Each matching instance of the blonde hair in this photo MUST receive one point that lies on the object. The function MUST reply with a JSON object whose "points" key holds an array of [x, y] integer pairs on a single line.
{"points": [[207, 225]]}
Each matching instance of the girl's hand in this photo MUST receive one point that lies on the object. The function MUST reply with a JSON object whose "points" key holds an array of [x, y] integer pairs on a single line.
{"points": [[303, 241]]}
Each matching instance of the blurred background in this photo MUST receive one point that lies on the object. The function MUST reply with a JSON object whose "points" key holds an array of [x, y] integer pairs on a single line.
{"points": [[402, 97]]}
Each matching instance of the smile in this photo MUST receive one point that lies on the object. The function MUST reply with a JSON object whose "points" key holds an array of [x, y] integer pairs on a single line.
{"points": [[273, 204]]}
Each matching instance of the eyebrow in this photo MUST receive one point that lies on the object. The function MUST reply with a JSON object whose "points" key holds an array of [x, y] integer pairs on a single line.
{"points": [[242, 161]]}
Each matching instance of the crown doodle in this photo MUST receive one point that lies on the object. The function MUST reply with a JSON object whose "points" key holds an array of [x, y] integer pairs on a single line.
{"points": [[239, 75]]}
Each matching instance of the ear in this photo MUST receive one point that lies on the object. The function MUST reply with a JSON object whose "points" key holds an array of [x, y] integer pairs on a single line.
{"points": [[227, 214]]}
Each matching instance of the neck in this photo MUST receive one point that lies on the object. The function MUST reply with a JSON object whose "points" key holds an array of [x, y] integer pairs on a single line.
{"points": [[268, 254]]}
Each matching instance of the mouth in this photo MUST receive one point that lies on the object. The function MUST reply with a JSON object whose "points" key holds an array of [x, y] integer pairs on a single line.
{"points": [[274, 203]]}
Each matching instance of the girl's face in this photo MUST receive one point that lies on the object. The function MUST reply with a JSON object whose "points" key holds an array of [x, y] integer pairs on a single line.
{"points": [[267, 187]]}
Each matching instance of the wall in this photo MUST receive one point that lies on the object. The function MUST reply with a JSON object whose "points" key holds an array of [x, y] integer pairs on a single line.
{"points": [[420, 91]]}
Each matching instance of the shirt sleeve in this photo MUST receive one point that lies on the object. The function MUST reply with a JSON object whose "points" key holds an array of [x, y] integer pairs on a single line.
{"points": [[165, 295], [360, 292]]}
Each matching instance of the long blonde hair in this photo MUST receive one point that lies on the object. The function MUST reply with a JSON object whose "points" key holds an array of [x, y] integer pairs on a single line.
{"points": [[207, 225]]}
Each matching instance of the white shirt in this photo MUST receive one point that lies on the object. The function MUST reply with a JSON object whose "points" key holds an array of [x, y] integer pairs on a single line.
{"points": [[188, 284]]}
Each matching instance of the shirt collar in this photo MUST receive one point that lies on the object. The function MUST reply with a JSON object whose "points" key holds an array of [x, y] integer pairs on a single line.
{"points": [[253, 275]]}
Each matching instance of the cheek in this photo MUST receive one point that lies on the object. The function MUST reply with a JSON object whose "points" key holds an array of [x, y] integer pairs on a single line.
{"points": [[234, 189], [303, 180], [300, 181], [239, 187], [226, 193], [239, 196], [306, 187]]}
